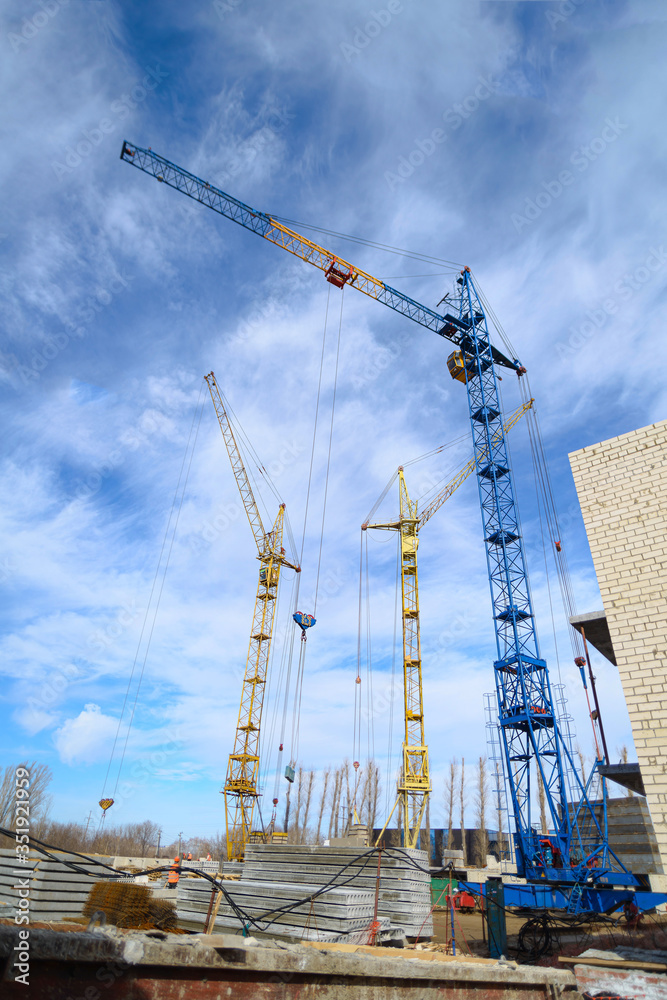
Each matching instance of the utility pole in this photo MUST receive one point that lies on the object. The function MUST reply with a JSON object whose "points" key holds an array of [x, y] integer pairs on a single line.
{"points": [[85, 836], [179, 843], [157, 849]]}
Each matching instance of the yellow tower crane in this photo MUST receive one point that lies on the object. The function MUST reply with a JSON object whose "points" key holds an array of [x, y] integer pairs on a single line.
{"points": [[240, 789], [414, 785]]}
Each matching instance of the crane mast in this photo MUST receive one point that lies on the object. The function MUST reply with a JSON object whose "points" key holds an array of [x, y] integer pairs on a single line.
{"points": [[529, 728], [414, 786], [241, 783], [576, 852]]}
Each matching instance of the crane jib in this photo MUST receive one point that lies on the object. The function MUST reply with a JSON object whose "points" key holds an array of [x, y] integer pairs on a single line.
{"points": [[337, 271]]}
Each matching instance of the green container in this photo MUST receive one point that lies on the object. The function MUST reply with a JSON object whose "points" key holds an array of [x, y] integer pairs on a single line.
{"points": [[439, 887]]}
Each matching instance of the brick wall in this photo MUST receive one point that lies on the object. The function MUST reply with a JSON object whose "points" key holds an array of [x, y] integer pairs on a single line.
{"points": [[622, 489]]}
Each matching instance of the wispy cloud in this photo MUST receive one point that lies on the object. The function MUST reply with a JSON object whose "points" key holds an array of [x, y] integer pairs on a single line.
{"points": [[119, 294]]}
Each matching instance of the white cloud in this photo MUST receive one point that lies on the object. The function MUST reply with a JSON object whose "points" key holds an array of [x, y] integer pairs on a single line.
{"points": [[161, 290], [87, 738]]}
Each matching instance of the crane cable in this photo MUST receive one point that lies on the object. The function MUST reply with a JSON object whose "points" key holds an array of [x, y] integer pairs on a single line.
{"points": [[356, 727], [199, 407], [393, 677], [547, 504], [370, 735], [448, 266], [298, 685]]}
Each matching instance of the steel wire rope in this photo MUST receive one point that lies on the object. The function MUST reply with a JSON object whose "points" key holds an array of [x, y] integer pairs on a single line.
{"points": [[284, 661], [159, 598], [317, 410], [302, 653], [393, 677], [272, 688], [436, 451], [562, 566], [248, 445], [370, 735], [420, 458], [261, 470], [331, 428], [517, 513], [381, 497], [293, 737], [449, 265], [538, 501], [356, 725], [494, 319], [391, 852], [150, 598]]}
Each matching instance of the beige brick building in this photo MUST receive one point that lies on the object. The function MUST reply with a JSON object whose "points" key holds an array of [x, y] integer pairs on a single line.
{"points": [[622, 489]]}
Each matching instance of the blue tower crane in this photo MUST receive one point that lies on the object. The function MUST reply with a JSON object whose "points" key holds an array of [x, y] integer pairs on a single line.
{"points": [[572, 867]]}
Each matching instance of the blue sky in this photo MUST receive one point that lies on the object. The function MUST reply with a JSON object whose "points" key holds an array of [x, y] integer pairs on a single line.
{"points": [[521, 138]]}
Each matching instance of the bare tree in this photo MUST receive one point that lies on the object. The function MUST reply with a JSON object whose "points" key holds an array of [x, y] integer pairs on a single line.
{"points": [[371, 795], [450, 790], [145, 835], [323, 800], [287, 808], [542, 800], [499, 806], [308, 794], [294, 833], [462, 804], [582, 764], [335, 799], [623, 754], [481, 836], [31, 778], [348, 804], [400, 818]]}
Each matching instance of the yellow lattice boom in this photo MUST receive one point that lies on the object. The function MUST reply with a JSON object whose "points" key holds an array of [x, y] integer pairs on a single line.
{"points": [[241, 784]]}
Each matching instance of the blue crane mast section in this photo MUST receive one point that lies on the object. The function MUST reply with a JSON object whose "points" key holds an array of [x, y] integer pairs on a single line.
{"points": [[572, 866]]}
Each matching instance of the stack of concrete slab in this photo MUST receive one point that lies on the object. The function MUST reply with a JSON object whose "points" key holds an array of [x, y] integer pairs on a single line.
{"points": [[405, 883], [275, 875], [53, 891], [336, 915], [232, 869]]}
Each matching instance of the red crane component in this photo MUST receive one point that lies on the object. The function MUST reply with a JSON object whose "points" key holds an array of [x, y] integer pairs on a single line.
{"points": [[336, 276]]}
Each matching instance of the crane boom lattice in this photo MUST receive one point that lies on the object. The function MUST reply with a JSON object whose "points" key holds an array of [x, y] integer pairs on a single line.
{"points": [[241, 783], [576, 851]]}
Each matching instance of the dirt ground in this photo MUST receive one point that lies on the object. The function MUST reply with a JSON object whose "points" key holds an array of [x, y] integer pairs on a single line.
{"points": [[606, 934], [470, 931]]}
